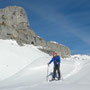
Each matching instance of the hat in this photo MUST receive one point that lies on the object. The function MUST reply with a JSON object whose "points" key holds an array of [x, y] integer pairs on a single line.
{"points": [[54, 53]]}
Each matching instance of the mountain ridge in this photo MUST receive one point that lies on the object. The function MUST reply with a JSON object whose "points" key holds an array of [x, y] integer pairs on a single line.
{"points": [[14, 25]]}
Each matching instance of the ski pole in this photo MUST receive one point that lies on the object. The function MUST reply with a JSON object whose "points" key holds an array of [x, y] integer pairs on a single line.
{"points": [[47, 71], [61, 76]]}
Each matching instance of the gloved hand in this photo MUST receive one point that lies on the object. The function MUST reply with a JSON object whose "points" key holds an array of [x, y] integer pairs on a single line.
{"points": [[57, 63]]}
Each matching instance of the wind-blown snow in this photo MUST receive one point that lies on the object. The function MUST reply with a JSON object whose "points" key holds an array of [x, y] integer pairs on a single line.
{"points": [[25, 68]]}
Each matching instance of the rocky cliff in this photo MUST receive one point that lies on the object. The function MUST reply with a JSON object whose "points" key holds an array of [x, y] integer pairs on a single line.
{"points": [[14, 25]]}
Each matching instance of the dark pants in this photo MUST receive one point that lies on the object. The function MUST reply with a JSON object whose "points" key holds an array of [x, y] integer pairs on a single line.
{"points": [[56, 68]]}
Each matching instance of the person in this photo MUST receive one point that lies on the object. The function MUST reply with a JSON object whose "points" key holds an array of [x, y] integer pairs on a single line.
{"points": [[56, 60]]}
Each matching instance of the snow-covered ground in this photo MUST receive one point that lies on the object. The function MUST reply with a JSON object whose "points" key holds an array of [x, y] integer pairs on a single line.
{"points": [[25, 68]]}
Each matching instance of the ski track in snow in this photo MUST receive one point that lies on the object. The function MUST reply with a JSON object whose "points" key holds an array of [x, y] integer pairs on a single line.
{"points": [[77, 67]]}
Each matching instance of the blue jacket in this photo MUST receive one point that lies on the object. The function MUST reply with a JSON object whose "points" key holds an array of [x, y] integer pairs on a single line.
{"points": [[56, 60]]}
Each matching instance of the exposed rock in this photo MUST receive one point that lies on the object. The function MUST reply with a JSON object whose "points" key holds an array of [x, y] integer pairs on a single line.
{"points": [[14, 25]]}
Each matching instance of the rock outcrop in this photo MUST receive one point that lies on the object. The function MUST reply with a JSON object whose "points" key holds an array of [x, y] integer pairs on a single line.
{"points": [[14, 25]]}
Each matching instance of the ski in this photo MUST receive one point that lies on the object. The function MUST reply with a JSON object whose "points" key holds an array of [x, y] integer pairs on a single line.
{"points": [[56, 80], [52, 80]]}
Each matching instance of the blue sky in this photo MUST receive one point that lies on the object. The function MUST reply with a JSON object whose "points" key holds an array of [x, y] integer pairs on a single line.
{"points": [[64, 21]]}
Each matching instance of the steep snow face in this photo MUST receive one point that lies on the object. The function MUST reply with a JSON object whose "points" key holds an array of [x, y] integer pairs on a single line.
{"points": [[14, 58], [25, 68]]}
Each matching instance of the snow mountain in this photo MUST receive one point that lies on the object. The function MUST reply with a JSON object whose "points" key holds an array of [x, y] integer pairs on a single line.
{"points": [[25, 68]]}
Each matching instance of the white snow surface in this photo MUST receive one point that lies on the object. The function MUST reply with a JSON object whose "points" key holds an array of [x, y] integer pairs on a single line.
{"points": [[25, 68], [54, 42]]}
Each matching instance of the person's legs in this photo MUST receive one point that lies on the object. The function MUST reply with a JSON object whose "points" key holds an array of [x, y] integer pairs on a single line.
{"points": [[54, 73], [58, 69]]}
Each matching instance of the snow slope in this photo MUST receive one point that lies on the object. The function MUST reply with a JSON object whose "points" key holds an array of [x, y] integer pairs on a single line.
{"points": [[25, 68], [14, 58]]}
